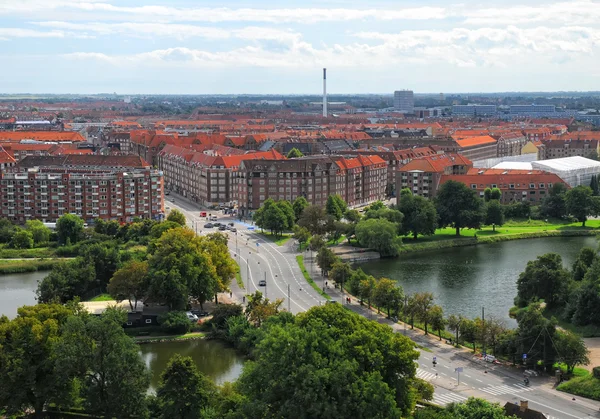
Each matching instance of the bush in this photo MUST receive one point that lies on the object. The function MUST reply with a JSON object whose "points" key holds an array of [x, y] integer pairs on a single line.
{"points": [[596, 372], [223, 312], [175, 322]]}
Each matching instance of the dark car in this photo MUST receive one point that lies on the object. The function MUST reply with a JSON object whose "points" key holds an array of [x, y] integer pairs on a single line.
{"points": [[262, 283], [222, 227], [208, 225], [200, 313]]}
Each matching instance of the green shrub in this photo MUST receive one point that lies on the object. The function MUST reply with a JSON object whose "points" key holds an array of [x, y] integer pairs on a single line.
{"points": [[224, 311], [587, 386], [596, 372], [175, 322]]}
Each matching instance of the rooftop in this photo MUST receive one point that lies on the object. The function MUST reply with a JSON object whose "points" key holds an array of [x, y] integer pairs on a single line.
{"points": [[566, 163]]}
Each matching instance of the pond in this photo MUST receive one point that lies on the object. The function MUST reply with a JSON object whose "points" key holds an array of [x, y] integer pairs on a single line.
{"points": [[465, 279], [17, 290], [213, 358]]}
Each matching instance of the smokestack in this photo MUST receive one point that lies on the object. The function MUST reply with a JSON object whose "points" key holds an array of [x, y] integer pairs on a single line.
{"points": [[324, 93]]}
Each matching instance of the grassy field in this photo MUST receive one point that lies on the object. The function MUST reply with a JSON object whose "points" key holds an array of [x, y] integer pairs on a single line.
{"points": [[238, 277], [38, 252], [102, 297], [312, 283], [278, 240], [12, 266]]}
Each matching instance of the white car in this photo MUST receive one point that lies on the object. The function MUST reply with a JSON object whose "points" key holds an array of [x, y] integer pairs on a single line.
{"points": [[191, 316]]}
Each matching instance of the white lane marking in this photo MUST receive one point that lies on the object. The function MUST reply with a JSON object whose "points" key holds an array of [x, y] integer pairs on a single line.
{"points": [[444, 374], [478, 380], [468, 376]]}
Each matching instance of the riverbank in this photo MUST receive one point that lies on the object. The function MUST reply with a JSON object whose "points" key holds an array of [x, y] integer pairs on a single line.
{"points": [[475, 240], [172, 338], [13, 266]]}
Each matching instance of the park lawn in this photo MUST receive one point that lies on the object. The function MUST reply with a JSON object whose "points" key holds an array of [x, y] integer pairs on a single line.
{"points": [[278, 240], [102, 297], [585, 386], [300, 260]]}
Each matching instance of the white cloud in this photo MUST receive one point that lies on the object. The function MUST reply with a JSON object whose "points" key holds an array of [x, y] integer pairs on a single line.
{"points": [[7, 33], [178, 31]]}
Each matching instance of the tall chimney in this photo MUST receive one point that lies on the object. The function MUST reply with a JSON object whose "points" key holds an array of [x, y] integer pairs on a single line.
{"points": [[324, 93]]}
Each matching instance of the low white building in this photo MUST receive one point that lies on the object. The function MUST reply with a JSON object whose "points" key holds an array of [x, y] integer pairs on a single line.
{"points": [[574, 170]]}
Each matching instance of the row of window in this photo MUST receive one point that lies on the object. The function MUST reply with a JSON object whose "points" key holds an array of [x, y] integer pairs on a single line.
{"points": [[512, 185]]}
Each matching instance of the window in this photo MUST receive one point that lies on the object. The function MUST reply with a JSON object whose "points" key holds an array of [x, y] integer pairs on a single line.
{"points": [[494, 185], [148, 321], [532, 186], [511, 186], [473, 186], [542, 186]]}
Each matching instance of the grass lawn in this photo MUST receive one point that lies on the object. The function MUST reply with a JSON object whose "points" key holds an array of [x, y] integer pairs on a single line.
{"points": [[238, 277], [336, 242], [585, 386], [38, 252], [10, 266], [102, 297], [161, 335], [312, 283], [278, 240]]}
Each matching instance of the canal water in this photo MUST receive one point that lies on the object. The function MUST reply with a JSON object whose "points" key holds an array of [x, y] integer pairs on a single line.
{"points": [[464, 279], [218, 361], [18, 290]]}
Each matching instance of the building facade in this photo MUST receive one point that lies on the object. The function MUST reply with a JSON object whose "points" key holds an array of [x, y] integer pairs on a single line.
{"points": [[404, 101], [474, 110], [478, 148]]}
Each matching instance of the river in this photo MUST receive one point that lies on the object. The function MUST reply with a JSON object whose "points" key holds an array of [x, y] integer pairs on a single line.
{"points": [[17, 290], [218, 361], [465, 279]]}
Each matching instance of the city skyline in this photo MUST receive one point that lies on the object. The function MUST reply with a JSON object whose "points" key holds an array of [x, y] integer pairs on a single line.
{"points": [[160, 47]]}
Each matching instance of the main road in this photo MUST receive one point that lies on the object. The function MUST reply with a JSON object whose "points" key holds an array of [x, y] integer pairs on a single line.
{"points": [[260, 259]]}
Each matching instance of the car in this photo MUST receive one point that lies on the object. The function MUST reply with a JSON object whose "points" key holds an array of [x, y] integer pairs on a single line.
{"points": [[200, 313], [233, 229], [230, 224], [172, 199], [213, 218], [331, 302], [222, 227], [191, 316], [208, 225], [262, 283]]}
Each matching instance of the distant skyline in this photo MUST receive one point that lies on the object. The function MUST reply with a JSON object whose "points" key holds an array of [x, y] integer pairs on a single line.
{"points": [[265, 47]]}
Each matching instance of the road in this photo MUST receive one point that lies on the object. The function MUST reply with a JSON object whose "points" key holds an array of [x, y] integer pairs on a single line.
{"points": [[277, 265]]}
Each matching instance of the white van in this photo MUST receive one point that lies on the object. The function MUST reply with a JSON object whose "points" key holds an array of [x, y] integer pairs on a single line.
{"points": [[191, 316]]}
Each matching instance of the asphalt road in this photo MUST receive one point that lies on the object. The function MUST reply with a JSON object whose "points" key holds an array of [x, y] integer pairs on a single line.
{"points": [[277, 265]]}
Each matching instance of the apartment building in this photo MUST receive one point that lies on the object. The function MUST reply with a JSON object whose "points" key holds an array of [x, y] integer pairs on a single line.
{"points": [[516, 185], [358, 181], [474, 110], [571, 145], [115, 188], [423, 175], [478, 148], [509, 143]]}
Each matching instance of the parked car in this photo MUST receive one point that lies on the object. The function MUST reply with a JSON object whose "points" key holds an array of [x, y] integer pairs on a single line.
{"points": [[208, 225], [230, 224], [262, 283], [233, 229], [213, 218], [217, 224], [191, 316], [222, 227], [200, 313]]}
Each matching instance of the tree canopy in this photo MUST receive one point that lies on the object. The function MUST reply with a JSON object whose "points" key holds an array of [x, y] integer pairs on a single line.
{"points": [[69, 228], [420, 215], [458, 206], [336, 206], [177, 216], [380, 235], [294, 153], [580, 203], [544, 278]]}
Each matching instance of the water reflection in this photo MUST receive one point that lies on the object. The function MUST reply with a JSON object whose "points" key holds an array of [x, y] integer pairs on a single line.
{"points": [[18, 290]]}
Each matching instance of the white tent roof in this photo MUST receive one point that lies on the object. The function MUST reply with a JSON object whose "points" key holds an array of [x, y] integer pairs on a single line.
{"points": [[566, 164], [514, 165]]}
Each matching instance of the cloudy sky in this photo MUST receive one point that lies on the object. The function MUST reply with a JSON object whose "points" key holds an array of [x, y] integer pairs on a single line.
{"points": [[266, 46]]}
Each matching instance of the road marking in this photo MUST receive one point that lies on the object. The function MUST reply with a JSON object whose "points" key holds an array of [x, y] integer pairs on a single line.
{"points": [[446, 398], [478, 380], [468, 376], [505, 389], [453, 378], [424, 375], [426, 358], [444, 374]]}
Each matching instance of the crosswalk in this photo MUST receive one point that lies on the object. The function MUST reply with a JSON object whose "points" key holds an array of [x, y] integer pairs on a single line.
{"points": [[424, 375], [447, 398], [505, 389]]}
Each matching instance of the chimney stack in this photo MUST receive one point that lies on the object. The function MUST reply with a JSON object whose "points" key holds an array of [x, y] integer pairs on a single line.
{"points": [[324, 93], [524, 406]]}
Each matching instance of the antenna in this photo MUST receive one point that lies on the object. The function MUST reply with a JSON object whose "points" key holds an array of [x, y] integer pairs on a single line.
{"points": [[324, 93]]}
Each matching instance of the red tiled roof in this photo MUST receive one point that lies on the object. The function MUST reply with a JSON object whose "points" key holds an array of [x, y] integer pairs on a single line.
{"points": [[475, 141], [437, 163], [6, 158], [54, 136], [519, 180]]}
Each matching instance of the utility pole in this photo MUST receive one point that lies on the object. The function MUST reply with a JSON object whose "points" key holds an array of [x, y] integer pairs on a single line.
{"points": [[289, 300], [483, 330], [265, 283]]}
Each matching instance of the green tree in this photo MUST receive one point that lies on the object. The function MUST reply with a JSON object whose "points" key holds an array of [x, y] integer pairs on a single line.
{"points": [[336, 206], [584, 303], [379, 235], [259, 309], [223, 312], [594, 185], [112, 375], [571, 350], [314, 219], [388, 295], [554, 205], [66, 281], [436, 319], [317, 242], [348, 366], [494, 214], [105, 258], [40, 233], [496, 194], [129, 283], [326, 258], [536, 333], [215, 246], [301, 234], [7, 229], [453, 323], [177, 216], [487, 194], [458, 206], [183, 390], [294, 153], [69, 228], [580, 203], [175, 322], [288, 212], [544, 278], [477, 409], [275, 216], [179, 268], [420, 216], [423, 303], [22, 239], [30, 379], [159, 228], [340, 273], [469, 331], [584, 260], [299, 205]]}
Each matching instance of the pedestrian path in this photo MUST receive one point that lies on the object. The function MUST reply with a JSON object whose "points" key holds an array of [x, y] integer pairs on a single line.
{"points": [[447, 398], [506, 389], [424, 375]]}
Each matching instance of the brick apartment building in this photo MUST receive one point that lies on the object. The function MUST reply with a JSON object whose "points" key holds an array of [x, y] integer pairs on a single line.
{"points": [[478, 148], [423, 175], [571, 145], [509, 143], [516, 185], [108, 187], [358, 181]]}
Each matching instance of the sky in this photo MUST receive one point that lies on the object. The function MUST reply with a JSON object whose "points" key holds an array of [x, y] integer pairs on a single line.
{"points": [[280, 47]]}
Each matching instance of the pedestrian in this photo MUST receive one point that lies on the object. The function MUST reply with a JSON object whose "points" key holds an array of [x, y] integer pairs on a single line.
{"points": [[244, 299], [230, 294]]}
